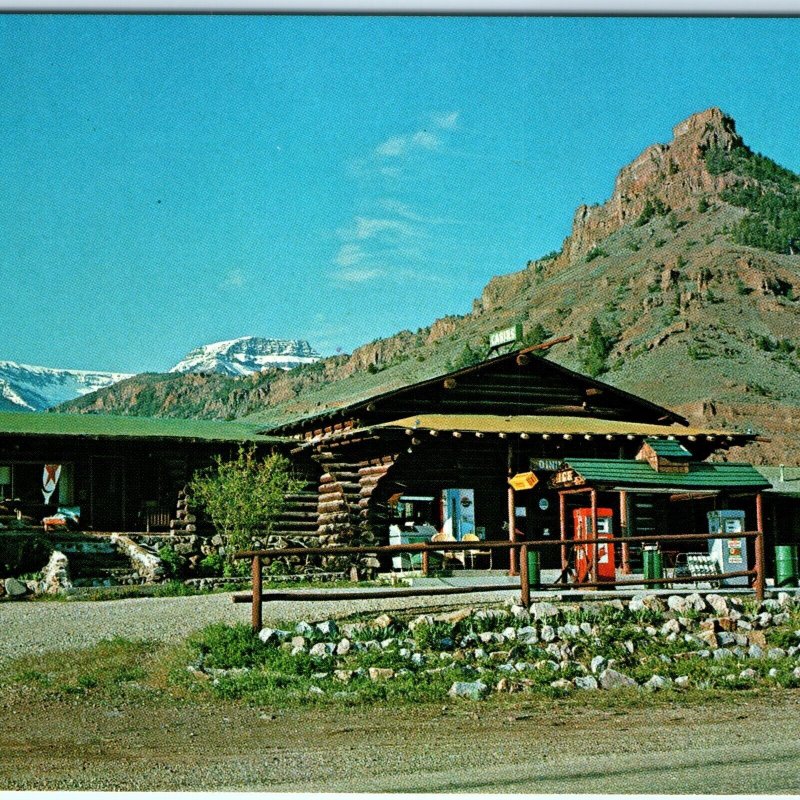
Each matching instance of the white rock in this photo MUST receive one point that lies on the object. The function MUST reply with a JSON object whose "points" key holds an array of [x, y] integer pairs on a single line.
{"points": [[718, 603], [748, 673], [542, 611], [343, 648], [612, 679], [272, 635], [563, 684], [473, 690], [319, 650], [658, 682], [776, 653], [585, 682], [328, 628], [678, 603], [548, 633], [303, 629], [596, 663], [682, 681]]}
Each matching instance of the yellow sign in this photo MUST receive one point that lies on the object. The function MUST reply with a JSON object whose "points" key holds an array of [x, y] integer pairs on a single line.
{"points": [[523, 480]]}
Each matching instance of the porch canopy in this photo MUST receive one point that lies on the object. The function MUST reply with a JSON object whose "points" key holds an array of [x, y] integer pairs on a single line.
{"points": [[662, 467]]}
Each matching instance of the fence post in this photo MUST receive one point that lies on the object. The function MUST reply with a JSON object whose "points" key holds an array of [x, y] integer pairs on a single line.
{"points": [[256, 613], [425, 562], [759, 548], [524, 577]]}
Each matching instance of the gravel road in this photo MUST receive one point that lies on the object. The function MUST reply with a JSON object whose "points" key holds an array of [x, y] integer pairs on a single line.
{"points": [[37, 627]]}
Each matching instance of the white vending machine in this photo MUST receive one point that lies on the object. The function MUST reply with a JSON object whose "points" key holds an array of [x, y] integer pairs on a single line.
{"points": [[729, 554]]}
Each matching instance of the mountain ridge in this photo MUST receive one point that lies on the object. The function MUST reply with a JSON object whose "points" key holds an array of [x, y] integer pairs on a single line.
{"points": [[658, 286]]}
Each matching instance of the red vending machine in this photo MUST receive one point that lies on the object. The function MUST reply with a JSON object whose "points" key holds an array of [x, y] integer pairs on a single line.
{"points": [[584, 554]]}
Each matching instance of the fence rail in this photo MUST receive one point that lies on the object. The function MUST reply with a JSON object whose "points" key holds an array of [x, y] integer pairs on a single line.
{"points": [[257, 597]]}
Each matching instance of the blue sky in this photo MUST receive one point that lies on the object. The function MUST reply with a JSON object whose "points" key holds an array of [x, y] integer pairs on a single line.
{"points": [[171, 181]]}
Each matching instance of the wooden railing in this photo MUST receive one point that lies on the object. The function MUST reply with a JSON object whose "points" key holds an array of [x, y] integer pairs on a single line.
{"points": [[257, 597]]}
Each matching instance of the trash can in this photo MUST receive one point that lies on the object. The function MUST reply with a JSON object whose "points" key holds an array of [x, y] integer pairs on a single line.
{"points": [[652, 565], [786, 572], [534, 570]]}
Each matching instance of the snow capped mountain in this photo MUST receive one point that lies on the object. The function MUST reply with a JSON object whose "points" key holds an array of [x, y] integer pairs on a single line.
{"points": [[246, 355], [24, 387]]}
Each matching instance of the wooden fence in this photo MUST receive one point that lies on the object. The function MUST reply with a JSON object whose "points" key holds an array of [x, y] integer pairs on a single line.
{"points": [[257, 597]]}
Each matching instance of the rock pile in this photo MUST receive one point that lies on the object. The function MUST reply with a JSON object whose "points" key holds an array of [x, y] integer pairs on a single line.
{"points": [[650, 642]]}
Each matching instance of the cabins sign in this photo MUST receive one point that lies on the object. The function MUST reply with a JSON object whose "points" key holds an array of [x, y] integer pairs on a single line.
{"points": [[506, 336]]}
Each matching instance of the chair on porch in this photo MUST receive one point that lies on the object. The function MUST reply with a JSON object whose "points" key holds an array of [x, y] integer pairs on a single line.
{"points": [[471, 555], [452, 556]]}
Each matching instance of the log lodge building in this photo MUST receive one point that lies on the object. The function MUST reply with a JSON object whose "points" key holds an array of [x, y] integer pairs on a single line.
{"points": [[436, 454]]}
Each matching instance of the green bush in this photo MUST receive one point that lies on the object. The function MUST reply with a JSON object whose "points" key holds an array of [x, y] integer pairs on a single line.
{"points": [[652, 207], [244, 495], [213, 564], [595, 252], [594, 349], [172, 562]]}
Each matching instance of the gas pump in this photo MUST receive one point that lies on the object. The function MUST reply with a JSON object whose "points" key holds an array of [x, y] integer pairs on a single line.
{"points": [[730, 555], [584, 554]]}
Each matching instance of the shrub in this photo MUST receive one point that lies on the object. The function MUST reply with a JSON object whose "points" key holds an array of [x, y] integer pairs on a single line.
{"points": [[703, 205], [595, 252], [594, 349], [651, 208], [536, 335], [171, 561], [244, 495]]}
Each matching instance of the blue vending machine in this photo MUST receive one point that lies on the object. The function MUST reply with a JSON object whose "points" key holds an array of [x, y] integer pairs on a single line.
{"points": [[729, 554], [458, 512]]}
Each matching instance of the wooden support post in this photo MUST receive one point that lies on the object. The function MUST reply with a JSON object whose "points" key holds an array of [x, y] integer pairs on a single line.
{"points": [[512, 532], [425, 562], [623, 531], [512, 515], [594, 535], [524, 578], [256, 615], [562, 504], [759, 548]]}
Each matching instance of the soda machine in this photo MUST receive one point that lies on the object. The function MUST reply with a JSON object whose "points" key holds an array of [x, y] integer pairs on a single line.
{"points": [[584, 554]]}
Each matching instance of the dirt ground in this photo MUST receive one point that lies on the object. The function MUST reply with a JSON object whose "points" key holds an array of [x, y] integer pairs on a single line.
{"points": [[743, 745]]}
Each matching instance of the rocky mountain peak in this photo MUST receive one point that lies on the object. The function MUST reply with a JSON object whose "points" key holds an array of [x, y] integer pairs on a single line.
{"points": [[674, 174]]}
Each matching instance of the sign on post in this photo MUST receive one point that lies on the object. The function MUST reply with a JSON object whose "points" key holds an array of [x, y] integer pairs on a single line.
{"points": [[506, 336], [523, 480]]}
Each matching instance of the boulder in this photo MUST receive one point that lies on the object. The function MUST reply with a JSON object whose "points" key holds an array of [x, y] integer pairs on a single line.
{"points": [[319, 650], [377, 674], [612, 679], [776, 653], [473, 690], [328, 628], [748, 674], [343, 648], [658, 682], [543, 611], [55, 575], [586, 682], [718, 603], [563, 684], [343, 675], [678, 603], [548, 633], [299, 642], [596, 663], [303, 629], [682, 681], [16, 588], [453, 617]]}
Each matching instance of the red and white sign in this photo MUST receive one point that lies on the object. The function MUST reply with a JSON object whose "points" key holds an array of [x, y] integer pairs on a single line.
{"points": [[52, 472]]}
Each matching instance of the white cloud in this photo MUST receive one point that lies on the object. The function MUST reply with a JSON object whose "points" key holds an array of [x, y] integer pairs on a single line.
{"points": [[349, 254], [359, 275], [447, 121], [366, 228], [403, 145], [396, 146], [234, 279], [425, 140]]}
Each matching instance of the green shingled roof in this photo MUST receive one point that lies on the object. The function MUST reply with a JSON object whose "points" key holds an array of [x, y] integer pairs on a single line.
{"points": [[669, 448], [116, 427], [701, 476]]}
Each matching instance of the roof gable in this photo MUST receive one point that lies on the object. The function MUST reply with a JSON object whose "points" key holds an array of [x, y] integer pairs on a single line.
{"points": [[517, 383]]}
